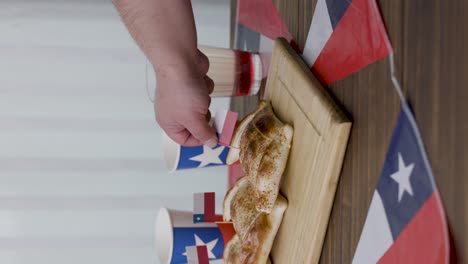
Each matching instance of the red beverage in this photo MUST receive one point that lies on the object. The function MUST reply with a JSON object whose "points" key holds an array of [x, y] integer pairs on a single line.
{"points": [[235, 73]]}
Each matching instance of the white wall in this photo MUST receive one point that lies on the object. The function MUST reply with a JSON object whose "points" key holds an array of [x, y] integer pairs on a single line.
{"points": [[81, 171]]}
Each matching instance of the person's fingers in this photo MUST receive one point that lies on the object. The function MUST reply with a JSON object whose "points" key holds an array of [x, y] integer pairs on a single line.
{"points": [[199, 128], [192, 142], [209, 102], [184, 138], [208, 116], [209, 84], [204, 63]]}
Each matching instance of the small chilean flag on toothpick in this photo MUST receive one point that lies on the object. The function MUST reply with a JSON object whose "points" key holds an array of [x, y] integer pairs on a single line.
{"points": [[225, 123], [197, 255], [204, 207]]}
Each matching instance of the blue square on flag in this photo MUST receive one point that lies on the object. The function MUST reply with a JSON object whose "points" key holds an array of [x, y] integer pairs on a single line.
{"points": [[198, 218], [406, 220]]}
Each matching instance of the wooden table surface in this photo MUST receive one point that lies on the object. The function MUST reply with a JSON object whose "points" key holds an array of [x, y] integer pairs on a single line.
{"points": [[430, 40]]}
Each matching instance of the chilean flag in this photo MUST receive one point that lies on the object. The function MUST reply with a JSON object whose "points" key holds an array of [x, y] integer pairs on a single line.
{"points": [[263, 17], [204, 207], [406, 220], [345, 36], [225, 123]]}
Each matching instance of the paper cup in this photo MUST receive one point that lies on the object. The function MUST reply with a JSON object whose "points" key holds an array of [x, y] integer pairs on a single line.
{"points": [[175, 231], [178, 157]]}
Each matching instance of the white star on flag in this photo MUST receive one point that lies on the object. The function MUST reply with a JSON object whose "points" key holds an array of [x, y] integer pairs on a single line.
{"points": [[402, 177], [209, 156], [209, 246]]}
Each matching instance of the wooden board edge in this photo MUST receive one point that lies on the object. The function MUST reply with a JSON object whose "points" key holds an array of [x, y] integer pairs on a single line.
{"points": [[282, 45], [341, 137], [329, 193]]}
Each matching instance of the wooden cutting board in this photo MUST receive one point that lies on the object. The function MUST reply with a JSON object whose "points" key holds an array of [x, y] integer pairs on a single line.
{"points": [[321, 132]]}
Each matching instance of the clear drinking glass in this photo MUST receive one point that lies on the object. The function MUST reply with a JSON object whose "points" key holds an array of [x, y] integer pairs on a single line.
{"points": [[234, 72]]}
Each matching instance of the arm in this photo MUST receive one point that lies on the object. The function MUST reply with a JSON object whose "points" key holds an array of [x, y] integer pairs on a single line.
{"points": [[165, 31]]}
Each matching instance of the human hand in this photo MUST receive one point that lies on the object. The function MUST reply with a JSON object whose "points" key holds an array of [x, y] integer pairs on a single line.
{"points": [[182, 103]]}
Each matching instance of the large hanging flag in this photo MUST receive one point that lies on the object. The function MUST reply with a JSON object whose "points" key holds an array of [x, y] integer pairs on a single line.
{"points": [[345, 36], [262, 17], [406, 221]]}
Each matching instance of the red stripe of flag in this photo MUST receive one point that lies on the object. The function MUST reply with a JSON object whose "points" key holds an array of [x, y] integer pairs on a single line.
{"points": [[210, 207], [228, 128], [202, 252], [359, 39], [424, 239], [263, 17]]}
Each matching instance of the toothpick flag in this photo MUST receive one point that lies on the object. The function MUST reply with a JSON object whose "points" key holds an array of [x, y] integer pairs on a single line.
{"points": [[204, 207], [197, 255], [225, 122], [345, 36]]}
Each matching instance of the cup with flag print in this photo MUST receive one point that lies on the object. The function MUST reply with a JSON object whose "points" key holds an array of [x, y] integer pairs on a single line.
{"points": [[175, 231], [178, 157]]}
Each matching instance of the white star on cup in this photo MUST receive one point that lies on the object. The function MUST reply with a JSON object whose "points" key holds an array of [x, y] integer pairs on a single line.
{"points": [[209, 246], [209, 156]]}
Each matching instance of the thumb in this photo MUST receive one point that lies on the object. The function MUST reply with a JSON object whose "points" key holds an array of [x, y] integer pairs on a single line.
{"points": [[200, 130]]}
